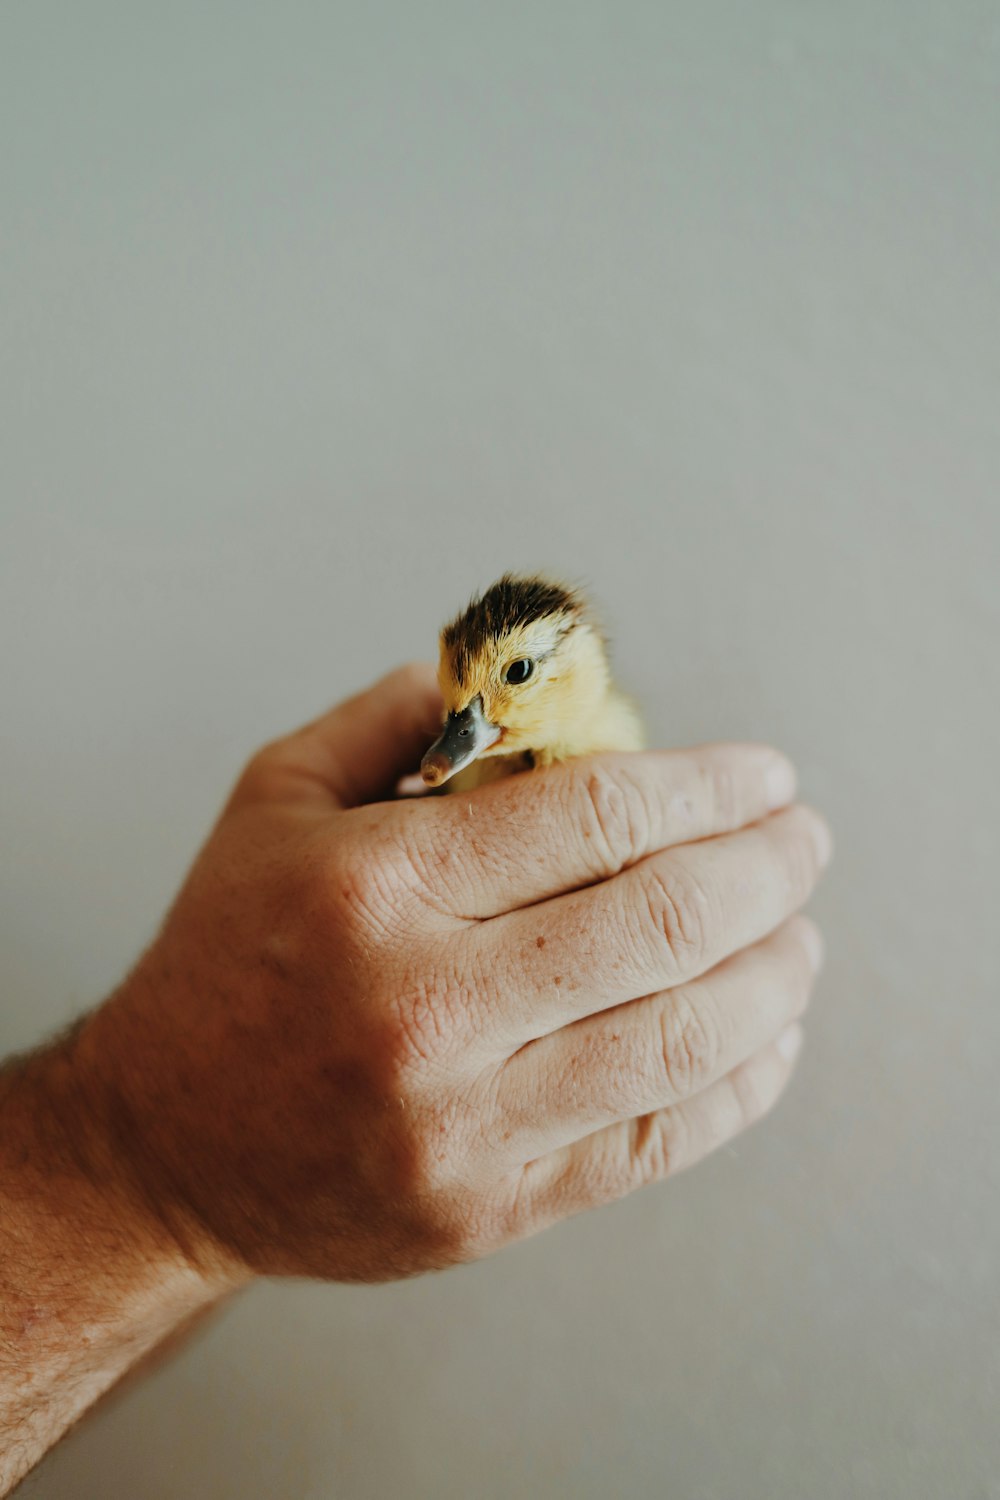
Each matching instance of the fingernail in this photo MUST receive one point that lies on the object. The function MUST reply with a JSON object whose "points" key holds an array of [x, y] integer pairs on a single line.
{"points": [[789, 1042], [410, 786], [812, 942], [779, 782]]}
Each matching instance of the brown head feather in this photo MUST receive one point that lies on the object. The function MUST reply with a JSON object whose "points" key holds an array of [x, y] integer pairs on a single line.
{"points": [[509, 603]]}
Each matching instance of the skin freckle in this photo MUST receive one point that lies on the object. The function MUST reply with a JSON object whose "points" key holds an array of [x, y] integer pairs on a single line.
{"points": [[539, 942]]}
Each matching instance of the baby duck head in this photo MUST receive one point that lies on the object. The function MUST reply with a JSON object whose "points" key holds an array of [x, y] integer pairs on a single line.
{"points": [[521, 669]]}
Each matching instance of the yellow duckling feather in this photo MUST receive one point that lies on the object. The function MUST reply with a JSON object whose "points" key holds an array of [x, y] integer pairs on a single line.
{"points": [[526, 681]]}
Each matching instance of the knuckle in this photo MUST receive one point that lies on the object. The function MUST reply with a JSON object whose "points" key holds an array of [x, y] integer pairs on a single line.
{"points": [[677, 908], [430, 864], [427, 851], [607, 1172], [421, 1028], [363, 887], [433, 1014], [377, 875], [613, 815], [628, 1156], [690, 1045], [418, 1032], [652, 1148]]}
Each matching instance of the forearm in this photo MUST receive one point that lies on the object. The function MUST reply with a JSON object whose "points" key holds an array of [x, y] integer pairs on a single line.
{"points": [[89, 1281]]}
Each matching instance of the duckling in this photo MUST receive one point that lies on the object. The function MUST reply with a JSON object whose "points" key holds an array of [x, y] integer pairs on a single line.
{"points": [[525, 679]]}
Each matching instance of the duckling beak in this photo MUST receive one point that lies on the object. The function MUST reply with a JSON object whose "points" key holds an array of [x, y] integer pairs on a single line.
{"points": [[464, 736]]}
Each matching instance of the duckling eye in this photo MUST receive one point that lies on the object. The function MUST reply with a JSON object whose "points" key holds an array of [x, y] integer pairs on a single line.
{"points": [[519, 671]]}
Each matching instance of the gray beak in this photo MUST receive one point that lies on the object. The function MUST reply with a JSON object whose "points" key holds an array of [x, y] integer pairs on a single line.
{"points": [[464, 736]]}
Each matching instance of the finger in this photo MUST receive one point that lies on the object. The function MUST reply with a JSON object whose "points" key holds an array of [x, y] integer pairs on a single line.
{"points": [[658, 1051], [533, 836], [661, 923], [617, 1160], [356, 752]]}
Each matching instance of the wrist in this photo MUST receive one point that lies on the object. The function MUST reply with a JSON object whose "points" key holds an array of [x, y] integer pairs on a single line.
{"points": [[87, 1284], [67, 1184]]}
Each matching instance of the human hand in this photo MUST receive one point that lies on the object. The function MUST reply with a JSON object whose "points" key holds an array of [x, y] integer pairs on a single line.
{"points": [[375, 1038]]}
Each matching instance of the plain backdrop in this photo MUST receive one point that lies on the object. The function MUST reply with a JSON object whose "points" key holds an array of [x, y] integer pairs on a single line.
{"points": [[315, 317]]}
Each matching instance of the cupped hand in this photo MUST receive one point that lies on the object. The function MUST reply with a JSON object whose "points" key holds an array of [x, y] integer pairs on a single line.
{"points": [[376, 1037]]}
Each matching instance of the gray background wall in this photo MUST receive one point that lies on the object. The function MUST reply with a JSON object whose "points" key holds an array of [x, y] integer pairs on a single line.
{"points": [[314, 318]]}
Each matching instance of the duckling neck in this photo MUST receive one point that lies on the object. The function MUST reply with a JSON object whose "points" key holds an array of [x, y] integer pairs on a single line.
{"points": [[588, 713], [612, 724]]}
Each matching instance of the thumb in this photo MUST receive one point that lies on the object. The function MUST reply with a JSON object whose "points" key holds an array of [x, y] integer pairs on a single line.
{"points": [[358, 751]]}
